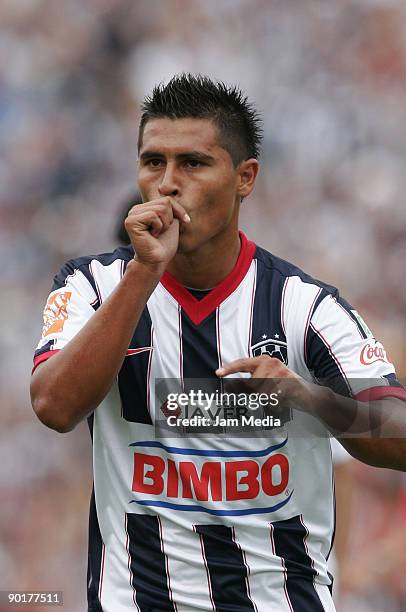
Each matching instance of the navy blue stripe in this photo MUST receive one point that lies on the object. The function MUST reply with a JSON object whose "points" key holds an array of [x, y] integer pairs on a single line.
{"points": [[95, 548], [147, 563], [278, 266], [44, 349], [333, 535], [196, 508], [88, 274], [267, 334], [393, 381], [83, 264], [348, 308], [133, 376], [227, 571], [68, 269], [323, 294], [199, 358], [176, 450], [289, 539], [322, 365], [199, 346], [267, 313]]}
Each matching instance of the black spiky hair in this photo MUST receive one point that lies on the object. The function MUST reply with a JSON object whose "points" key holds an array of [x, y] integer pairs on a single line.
{"points": [[197, 96]]}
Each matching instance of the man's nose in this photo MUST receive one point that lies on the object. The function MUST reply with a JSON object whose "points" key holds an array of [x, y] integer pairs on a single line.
{"points": [[169, 185]]}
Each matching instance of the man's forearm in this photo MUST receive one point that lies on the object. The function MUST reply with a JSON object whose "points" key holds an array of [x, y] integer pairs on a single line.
{"points": [[67, 387], [373, 432]]}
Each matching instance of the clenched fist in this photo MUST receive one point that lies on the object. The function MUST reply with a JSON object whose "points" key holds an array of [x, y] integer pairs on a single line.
{"points": [[153, 228]]}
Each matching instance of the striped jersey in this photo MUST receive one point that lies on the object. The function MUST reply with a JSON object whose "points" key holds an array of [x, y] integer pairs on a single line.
{"points": [[215, 522]]}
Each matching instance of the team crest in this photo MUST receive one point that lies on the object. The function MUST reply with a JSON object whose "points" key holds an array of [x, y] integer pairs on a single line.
{"points": [[272, 347]]}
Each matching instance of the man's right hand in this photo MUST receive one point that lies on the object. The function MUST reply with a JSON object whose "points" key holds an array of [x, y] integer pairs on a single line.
{"points": [[153, 228]]}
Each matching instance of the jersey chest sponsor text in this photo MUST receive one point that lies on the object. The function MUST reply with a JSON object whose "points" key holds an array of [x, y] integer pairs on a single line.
{"points": [[215, 480]]}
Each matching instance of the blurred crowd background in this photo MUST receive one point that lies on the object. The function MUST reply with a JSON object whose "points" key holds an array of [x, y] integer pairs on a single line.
{"points": [[330, 80]]}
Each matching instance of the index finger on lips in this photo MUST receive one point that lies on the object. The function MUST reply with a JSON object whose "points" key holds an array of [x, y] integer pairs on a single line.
{"points": [[179, 212]]}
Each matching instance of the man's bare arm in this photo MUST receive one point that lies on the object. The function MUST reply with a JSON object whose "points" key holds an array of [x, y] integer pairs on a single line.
{"points": [[373, 432], [69, 386], [377, 429]]}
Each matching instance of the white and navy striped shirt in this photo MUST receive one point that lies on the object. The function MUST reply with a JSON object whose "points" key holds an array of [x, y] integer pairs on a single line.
{"points": [[215, 522]]}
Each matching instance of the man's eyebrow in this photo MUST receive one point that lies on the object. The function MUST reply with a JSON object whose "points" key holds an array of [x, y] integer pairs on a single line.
{"points": [[150, 155], [197, 155]]}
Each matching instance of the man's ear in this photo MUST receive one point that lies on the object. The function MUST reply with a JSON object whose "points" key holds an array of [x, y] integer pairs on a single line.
{"points": [[247, 174]]}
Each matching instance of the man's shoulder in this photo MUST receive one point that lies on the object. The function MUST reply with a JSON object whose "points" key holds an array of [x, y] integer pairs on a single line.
{"points": [[124, 253], [88, 264], [287, 270]]}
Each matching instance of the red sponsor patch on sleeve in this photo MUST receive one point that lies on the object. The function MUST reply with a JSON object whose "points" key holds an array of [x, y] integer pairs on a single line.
{"points": [[373, 351]]}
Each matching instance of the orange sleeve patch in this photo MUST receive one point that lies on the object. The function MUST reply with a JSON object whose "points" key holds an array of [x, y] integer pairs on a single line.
{"points": [[56, 313]]}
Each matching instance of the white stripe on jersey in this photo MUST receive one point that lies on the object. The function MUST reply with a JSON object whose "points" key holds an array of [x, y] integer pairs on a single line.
{"points": [[102, 570], [106, 277], [325, 597], [150, 382], [78, 310], [284, 573], [285, 284], [116, 574], [336, 329], [185, 568], [168, 573], [254, 286], [299, 299], [165, 316], [235, 325], [247, 568], [266, 581]]}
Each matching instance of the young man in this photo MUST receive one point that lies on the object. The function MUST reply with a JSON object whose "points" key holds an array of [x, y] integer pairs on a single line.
{"points": [[208, 522]]}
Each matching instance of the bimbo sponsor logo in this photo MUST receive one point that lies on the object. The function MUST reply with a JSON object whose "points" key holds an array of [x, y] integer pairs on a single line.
{"points": [[180, 478], [373, 352]]}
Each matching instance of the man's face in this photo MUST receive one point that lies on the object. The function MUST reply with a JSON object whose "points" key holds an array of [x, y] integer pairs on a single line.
{"points": [[182, 158]]}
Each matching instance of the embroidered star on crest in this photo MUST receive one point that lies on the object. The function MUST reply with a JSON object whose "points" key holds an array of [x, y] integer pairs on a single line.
{"points": [[264, 337]]}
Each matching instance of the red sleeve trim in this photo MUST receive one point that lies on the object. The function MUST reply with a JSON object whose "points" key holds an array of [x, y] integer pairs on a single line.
{"points": [[43, 357], [375, 393]]}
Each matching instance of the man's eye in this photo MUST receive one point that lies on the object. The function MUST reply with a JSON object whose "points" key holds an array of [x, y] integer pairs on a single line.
{"points": [[193, 163], [154, 163]]}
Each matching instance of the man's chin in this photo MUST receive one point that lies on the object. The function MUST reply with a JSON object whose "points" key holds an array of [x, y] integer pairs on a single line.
{"points": [[184, 247], [187, 244]]}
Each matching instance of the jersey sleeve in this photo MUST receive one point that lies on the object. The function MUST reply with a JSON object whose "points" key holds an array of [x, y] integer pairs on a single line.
{"points": [[343, 354], [69, 306]]}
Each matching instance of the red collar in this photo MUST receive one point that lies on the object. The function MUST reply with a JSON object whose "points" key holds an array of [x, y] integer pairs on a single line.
{"points": [[198, 310]]}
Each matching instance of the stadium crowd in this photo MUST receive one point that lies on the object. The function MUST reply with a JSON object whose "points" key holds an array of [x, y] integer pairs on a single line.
{"points": [[329, 79]]}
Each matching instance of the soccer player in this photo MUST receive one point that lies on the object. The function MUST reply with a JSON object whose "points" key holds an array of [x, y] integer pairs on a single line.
{"points": [[208, 522]]}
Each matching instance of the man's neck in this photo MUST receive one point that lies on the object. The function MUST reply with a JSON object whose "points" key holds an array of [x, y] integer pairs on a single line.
{"points": [[207, 267]]}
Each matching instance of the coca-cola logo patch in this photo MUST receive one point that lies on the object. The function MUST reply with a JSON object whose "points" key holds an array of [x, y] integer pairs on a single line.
{"points": [[372, 352]]}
